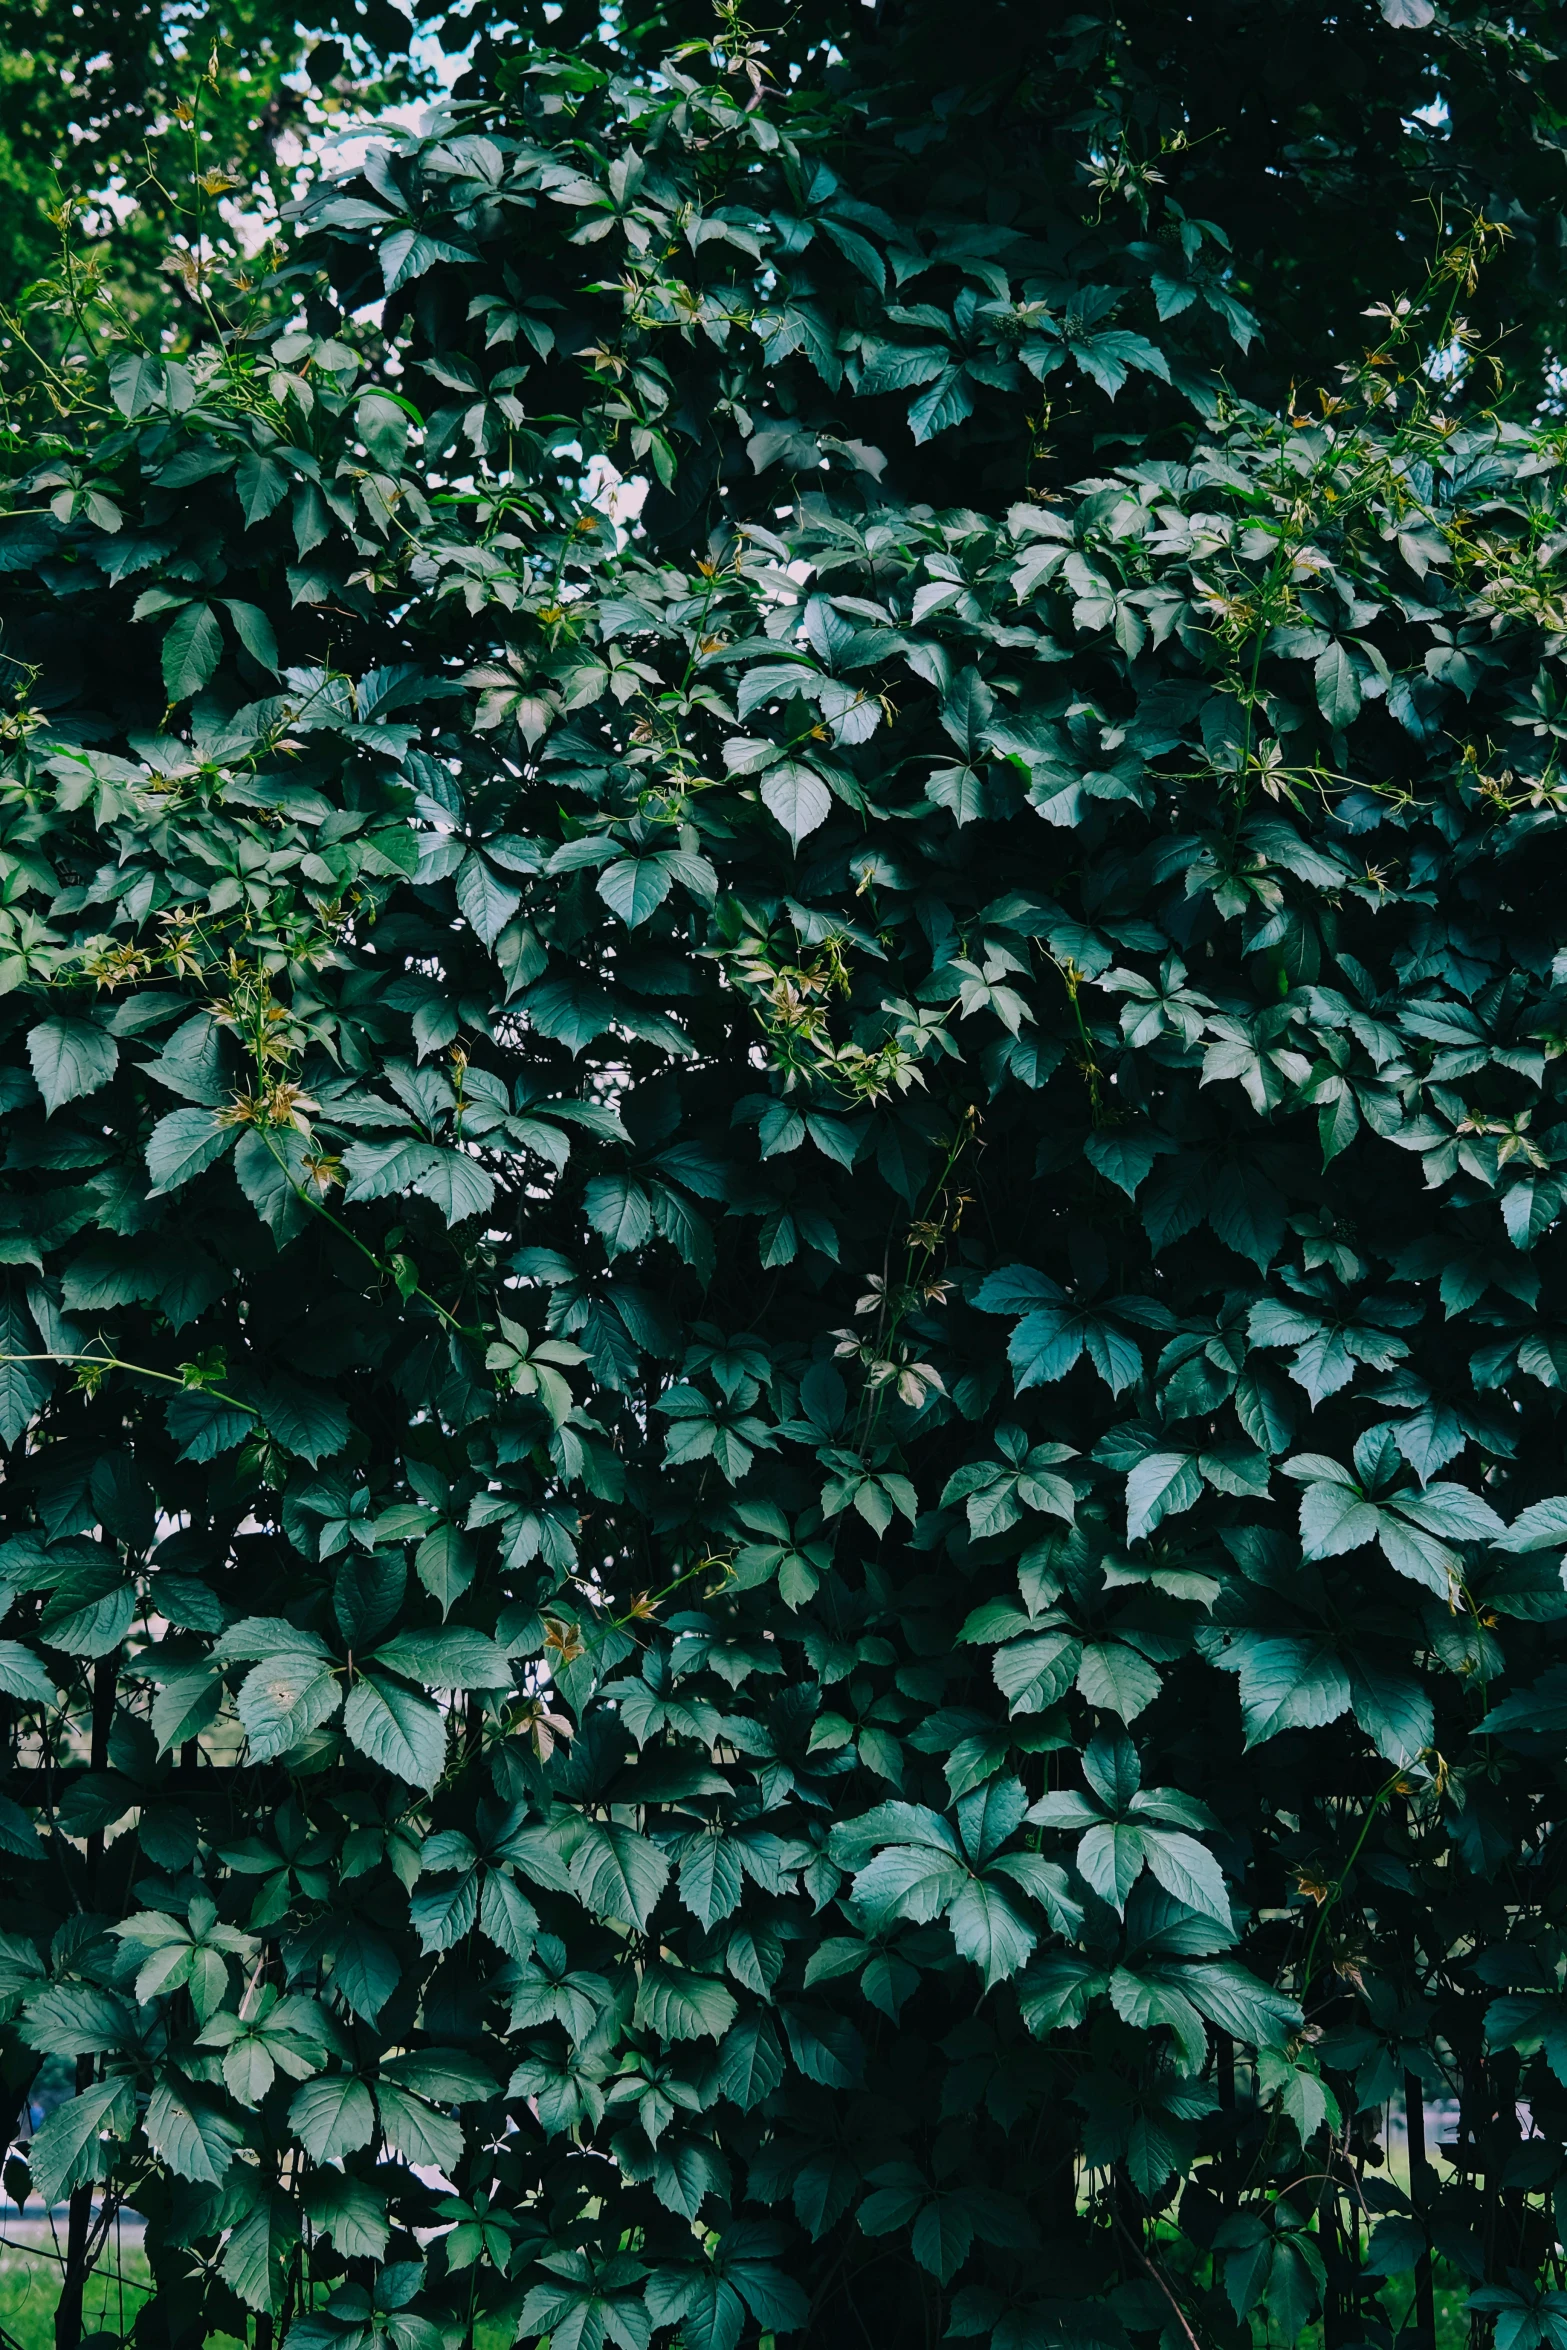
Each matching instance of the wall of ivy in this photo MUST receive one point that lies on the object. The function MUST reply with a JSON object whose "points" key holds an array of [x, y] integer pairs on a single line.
{"points": [[780, 1294]]}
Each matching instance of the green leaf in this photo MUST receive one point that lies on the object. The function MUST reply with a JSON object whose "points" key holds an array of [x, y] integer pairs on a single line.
{"points": [[681, 2006], [911, 1881], [416, 2130], [1111, 1857], [377, 1169], [619, 1210], [711, 2315], [826, 2047], [988, 1930], [1187, 1870], [255, 2258], [1295, 2284], [1286, 1682], [283, 1699], [332, 2117], [711, 1879], [1336, 1518], [1047, 1883], [348, 2211], [1106, 357], [1543, 1526], [202, 1428], [187, 1699], [1161, 1485], [68, 2148], [1117, 1678], [190, 2134], [487, 899], [23, 1676], [24, 1387], [442, 1915], [135, 382], [70, 1058], [262, 484], [304, 1419], [1035, 1674], [192, 650], [507, 1916], [635, 887], [254, 631], [383, 427], [750, 2061], [444, 2073], [1239, 2004], [941, 2236], [960, 790], [95, 1627], [459, 1187], [77, 2019], [796, 795], [946, 403], [365, 1970], [445, 1565], [1338, 687], [183, 1144], [1394, 1711], [270, 1169], [618, 1873], [405, 1734], [455, 1658]]}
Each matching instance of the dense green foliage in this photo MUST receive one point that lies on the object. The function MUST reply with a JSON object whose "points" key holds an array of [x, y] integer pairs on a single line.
{"points": [[1323, 145], [1209, 159], [782, 1303], [87, 89]]}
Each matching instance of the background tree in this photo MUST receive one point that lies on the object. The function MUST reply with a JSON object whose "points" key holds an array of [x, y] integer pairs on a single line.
{"points": [[84, 89], [780, 1335]]}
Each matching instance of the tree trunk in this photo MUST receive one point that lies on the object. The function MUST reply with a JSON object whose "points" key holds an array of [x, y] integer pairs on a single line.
{"points": [[68, 2309], [1229, 2167], [1421, 2183], [1337, 2331]]}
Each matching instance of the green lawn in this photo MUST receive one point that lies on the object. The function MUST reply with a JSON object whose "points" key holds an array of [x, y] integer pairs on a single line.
{"points": [[29, 2285]]}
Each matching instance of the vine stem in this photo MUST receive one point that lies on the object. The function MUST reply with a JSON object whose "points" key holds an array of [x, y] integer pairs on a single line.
{"points": [[1088, 1063], [1181, 2319], [388, 1272], [1336, 1888], [140, 1371], [640, 1611], [891, 1316]]}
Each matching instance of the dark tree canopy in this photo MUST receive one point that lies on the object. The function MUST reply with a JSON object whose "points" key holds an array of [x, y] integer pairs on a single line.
{"points": [[781, 1288]]}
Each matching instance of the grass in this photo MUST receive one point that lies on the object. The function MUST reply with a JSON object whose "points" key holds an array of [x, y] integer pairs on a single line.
{"points": [[1450, 2295], [30, 2285]]}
